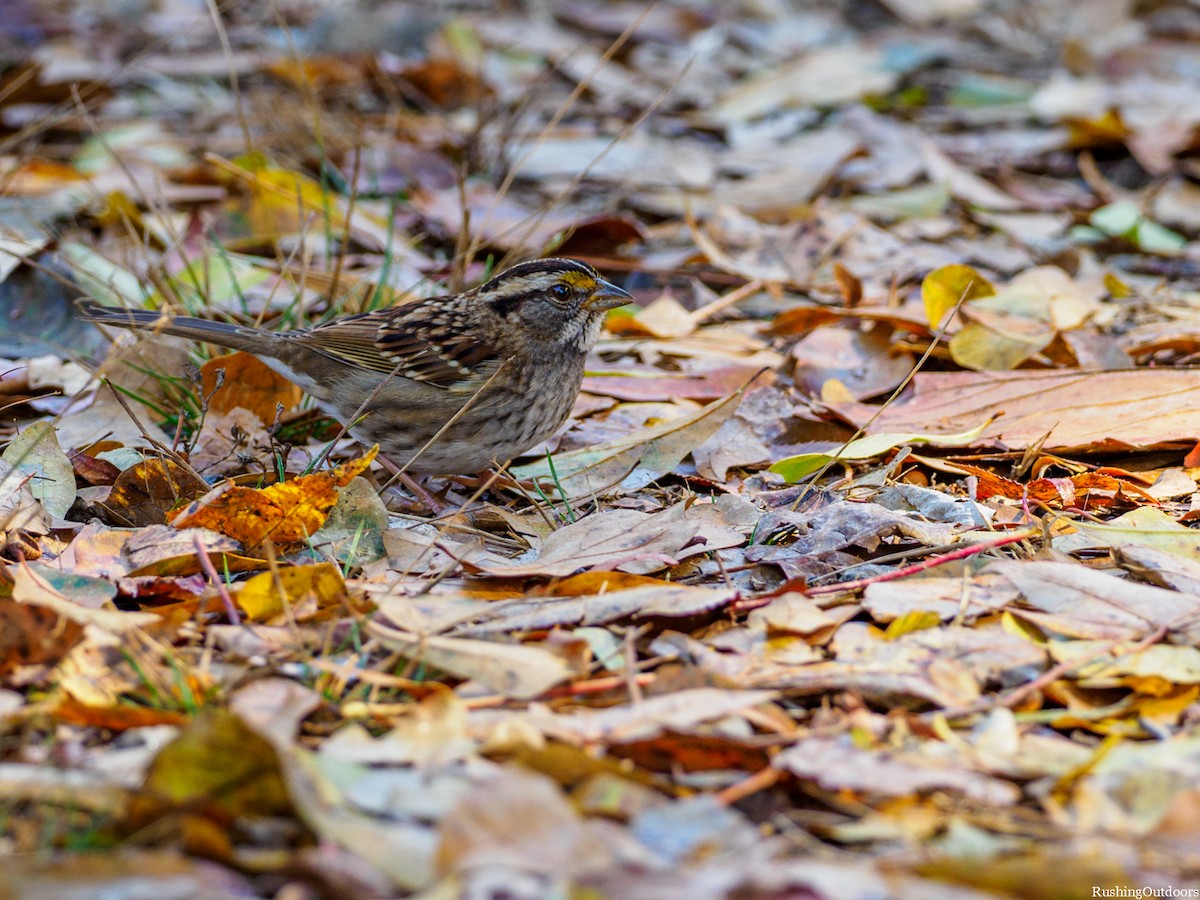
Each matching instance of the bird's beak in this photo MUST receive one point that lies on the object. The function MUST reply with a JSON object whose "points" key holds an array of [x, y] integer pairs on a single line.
{"points": [[607, 296]]}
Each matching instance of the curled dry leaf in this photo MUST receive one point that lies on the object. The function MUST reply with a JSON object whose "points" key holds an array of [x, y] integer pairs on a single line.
{"points": [[837, 764], [146, 493], [625, 539], [1084, 603], [641, 457], [36, 589], [513, 670], [681, 711]]}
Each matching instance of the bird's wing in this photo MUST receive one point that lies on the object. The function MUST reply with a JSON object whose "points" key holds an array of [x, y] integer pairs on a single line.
{"points": [[423, 345]]}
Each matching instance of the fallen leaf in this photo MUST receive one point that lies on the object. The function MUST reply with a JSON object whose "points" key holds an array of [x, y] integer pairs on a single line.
{"points": [[632, 461], [793, 468], [680, 711], [35, 589], [286, 512], [1078, 411], [298, 591], [36, 455], [31, 635], [624, 539], [945, 287], [836, 764], [146, 493], [242, 380], [1075, 601], [513, 670]]}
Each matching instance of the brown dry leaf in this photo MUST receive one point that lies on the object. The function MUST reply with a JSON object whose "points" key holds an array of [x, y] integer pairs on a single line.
{"points": [[162, 551], [432, 731], [552, 839], [1172, 664], [224, 439], [860, 360], [962, 182], [747, 438], [1079, 602], [124, 873], [145, 493], [1090, 490], [825, 77], [947, 597], [787, 177], [1161, 567], [944, 666], [838, 765], [1144, 527], [274, 708], [121, 717], [36, 589], [666, 317], [396, 840], [681, 711], [845, 523], [287, 512], [522, 614], [216, 767], [800, 320], [1080, 411], [625, 539], [513, 670], [31, 635], [500, 220], [631, 462]]}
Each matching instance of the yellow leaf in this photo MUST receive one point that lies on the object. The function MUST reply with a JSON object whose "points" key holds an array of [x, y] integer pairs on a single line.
{"points": [[913, 620], [266, 595], [943, 287]]}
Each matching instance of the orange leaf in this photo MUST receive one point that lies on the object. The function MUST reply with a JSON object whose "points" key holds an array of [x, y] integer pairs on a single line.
{"points": [[249, 383], [114, 718], [287, 512]]}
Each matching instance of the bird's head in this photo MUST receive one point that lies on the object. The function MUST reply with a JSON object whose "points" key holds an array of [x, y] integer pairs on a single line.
{"points": [[559, 301]]}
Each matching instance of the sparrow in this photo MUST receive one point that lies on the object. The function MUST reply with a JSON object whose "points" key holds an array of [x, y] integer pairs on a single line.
{"points": [[448, 385]]}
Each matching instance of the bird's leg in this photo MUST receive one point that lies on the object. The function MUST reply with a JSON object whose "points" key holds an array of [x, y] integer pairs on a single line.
{"points": [[494, 479], [425, 500]]}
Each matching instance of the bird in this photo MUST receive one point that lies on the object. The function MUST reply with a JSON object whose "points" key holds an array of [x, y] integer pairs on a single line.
{"points": [[447, 385]]}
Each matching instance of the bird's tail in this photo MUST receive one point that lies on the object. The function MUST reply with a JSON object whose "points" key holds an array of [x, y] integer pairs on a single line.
{"points": [[236, 337]]}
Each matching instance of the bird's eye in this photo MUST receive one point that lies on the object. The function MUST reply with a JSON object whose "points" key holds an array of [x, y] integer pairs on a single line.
{"points": [[561, 291]]}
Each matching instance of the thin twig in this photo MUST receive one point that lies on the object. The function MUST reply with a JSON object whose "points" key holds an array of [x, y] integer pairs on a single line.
{"points": [[961, 553], [211, 571]]}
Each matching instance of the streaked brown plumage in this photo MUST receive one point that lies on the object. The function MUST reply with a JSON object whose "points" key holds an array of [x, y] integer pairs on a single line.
{"points": [[518, 341]]}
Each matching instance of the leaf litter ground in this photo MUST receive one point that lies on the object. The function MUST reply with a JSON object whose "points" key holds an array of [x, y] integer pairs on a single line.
{"points": [[864, 567]]}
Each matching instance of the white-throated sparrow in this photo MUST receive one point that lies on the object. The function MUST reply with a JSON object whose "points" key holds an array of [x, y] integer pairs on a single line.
{"points": [[495, 370]]}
